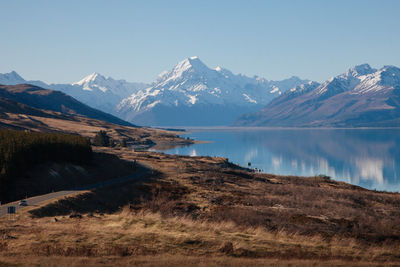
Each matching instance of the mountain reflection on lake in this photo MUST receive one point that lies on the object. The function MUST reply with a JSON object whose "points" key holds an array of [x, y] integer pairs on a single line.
{"points": [[366, 157]]}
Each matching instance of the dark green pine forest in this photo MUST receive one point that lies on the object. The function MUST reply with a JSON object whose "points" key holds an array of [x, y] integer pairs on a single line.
{"points": [[21, 150]]}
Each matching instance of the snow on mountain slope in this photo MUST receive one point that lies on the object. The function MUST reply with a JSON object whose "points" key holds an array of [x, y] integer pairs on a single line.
{"points": [[362, 96], [385, 78], [95, 90], [99, 91], [346, 81], [189, 94], [191, 89], [96, 81]]}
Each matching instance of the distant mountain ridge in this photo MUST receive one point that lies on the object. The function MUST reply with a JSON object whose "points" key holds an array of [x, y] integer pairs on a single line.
{"points": [[95, 90], [11, 78], [189, 94], [99, 91], [360, 97]]}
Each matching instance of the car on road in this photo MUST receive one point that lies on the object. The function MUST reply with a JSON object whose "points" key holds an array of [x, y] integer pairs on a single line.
{"points": [[23, 203]]}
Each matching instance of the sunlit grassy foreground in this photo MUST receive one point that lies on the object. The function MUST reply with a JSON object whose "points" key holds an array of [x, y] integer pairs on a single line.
{"points": [[125, 234]]}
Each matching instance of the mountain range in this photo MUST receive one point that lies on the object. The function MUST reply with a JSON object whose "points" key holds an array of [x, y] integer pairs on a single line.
{"points": [[360, 97], [95, 90], [190, 94], [193, 94]]}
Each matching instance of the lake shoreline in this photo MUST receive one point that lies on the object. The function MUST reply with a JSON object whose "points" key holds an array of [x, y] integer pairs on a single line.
{"points": [[364, 157], [182, 129]]}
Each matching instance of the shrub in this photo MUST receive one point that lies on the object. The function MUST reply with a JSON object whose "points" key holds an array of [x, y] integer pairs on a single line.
{"points": [[101, 139], [124, 143]]}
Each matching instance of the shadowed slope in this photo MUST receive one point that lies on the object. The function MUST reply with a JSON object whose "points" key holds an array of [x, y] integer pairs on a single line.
{"points": [[40, 98]]}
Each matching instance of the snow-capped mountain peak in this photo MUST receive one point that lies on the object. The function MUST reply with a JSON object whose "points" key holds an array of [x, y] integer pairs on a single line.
{"points": [[105, 84], [304, 87], [100, 91], [359, 70], [346, 81], [387, 77], [187, 67], [95, 90], [95, 80], [90, 78], [191, 88], [190, 63], [360, 97]]}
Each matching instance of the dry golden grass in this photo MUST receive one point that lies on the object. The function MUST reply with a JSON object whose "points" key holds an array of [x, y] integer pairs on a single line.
{"points": [[218, 190], [125, 234], [89, 127], [206, 211], [177, 260]]}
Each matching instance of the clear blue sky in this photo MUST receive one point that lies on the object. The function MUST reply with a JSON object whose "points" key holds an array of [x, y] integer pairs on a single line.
{"points": [[62, 41]]}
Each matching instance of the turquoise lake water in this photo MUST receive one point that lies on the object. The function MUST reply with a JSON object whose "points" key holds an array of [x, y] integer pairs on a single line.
{"points": [[366, 157]]}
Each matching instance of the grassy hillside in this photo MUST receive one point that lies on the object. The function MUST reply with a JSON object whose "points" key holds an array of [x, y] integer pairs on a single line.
{"points": [[207, 211], [18, 116], [52, 100]]}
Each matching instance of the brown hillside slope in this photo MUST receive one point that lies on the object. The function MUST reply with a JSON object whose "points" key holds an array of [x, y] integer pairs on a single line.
{"points": [[15, 115], [52, 100]]}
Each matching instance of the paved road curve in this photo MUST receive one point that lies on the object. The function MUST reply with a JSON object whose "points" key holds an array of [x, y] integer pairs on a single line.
{"points": [[34, 201]]}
